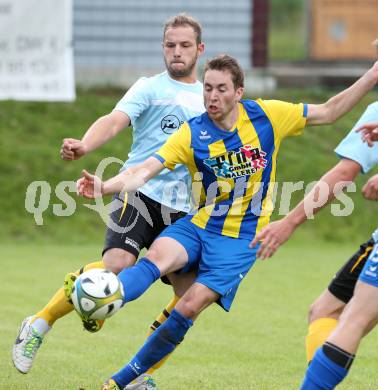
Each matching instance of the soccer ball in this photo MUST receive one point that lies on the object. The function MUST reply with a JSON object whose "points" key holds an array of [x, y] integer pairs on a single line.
{"points": [[97, 294]]}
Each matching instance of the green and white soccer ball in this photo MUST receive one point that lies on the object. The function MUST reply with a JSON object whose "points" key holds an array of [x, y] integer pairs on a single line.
{"points": [[97, 294]]}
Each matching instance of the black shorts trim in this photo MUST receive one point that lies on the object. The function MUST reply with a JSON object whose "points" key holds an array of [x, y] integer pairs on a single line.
{"points": [[134, 225], [343, 283]]}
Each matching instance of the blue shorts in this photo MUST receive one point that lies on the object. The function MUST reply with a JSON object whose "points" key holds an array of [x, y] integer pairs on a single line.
{"points": [[369, 273], [221, 262]]}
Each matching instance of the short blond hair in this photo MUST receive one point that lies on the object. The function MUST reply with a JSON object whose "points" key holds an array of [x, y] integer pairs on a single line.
{"points": [[184, 19]]}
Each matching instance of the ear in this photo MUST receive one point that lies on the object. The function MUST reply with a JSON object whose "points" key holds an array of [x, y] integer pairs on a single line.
{"points": [[201, 48], [239, 93]]}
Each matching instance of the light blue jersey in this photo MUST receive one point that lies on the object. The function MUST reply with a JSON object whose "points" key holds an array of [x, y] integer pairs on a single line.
{"points": [[353, 148], [157, 106]]}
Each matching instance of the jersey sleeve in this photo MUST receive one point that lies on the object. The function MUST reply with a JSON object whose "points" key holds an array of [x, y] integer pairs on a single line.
{"points": [[176, 149], [353, 148], [136, 100], [288, 119]]}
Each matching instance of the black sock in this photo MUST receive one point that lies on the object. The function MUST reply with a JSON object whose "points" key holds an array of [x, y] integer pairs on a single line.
{"points": [[338, 355]]}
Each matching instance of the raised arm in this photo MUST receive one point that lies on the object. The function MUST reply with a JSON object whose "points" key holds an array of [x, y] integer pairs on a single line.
{"points": [[276, 233], [101, 131], [91, 186], [343, 102]]}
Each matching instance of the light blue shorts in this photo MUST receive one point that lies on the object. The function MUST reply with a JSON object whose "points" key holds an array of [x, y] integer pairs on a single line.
{"points": [[221, 262], [369, 273]]}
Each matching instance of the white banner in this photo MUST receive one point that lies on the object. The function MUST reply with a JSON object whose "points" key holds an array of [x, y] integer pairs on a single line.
{"points": [[36, 56]]}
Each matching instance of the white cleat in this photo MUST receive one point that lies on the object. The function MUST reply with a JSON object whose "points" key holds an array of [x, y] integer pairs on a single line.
{"points": [[26, 346], [143, 382]]}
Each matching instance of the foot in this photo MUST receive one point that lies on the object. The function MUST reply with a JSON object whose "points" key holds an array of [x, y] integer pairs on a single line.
{"points": [[143, 382], [26, 346], [90, 325], [110, 385]]}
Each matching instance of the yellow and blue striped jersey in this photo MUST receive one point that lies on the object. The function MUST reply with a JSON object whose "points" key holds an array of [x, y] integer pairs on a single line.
{"points": [[232, 170]]}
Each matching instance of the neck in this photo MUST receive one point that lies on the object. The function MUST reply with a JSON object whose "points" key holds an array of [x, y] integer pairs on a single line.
{"points": [[190, 79], [228, 122]]}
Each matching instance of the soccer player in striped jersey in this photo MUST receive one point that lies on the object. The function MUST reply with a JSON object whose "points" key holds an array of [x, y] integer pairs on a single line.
{"points": [[231, 153]]}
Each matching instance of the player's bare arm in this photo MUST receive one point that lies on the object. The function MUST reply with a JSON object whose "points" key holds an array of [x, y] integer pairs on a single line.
{"points": [[369, 133], [91, 186], [101, 131], [370, 189], [277, 233], [343, 102]]}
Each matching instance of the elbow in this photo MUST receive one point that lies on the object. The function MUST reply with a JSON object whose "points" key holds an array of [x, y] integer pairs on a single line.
{"points": [[347, 170]]}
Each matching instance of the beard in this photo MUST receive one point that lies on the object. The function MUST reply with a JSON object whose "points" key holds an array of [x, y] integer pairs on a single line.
{"points": [[183, 72]]}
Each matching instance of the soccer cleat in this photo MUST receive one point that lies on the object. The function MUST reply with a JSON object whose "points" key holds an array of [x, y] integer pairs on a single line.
{"points": [[143, 382], [110, 385], [26, 346], [69, 281], [89, 324]]}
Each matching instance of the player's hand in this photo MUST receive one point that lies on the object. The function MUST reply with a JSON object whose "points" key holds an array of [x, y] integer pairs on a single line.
{"points": [[369, 133], [370, 189], [72, 149], [272, 237], [89, 186]]}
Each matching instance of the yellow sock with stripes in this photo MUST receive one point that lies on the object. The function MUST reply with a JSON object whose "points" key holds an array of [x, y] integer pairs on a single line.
{"points": [[162, 317], [318, 332], [58, 306]]}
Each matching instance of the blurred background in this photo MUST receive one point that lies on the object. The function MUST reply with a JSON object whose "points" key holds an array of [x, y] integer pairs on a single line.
{"points": [[294, 50]]}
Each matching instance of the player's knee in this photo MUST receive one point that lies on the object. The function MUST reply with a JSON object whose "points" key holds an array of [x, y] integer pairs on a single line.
{"points": [[188, 308], [314, 312], [324, 308], [154, 253], [116, 259]]}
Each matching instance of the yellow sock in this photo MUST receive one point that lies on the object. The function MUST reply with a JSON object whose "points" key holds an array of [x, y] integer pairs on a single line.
{"points": [[58, 306], [318, 332], [161, 318]]}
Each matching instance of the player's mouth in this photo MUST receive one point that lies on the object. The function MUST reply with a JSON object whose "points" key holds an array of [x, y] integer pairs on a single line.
{"points": [[212, 109]]}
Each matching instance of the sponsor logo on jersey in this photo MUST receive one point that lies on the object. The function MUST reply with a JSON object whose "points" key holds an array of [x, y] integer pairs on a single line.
{"points": [[243, 162], [170, 123], [204, 135]]}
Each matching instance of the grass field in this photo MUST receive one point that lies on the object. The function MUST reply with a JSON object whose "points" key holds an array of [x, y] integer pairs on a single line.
{"points": [[259, 345]]}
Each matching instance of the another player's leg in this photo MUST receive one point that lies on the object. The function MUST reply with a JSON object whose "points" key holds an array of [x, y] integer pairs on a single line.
{"points": [[323, 318], [34, 328], [332, 361], [326, 310]]}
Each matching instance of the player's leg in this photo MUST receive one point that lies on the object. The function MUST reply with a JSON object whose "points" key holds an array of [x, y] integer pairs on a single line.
{"points": [[224, 263], [325, 311], [165, 339], [332, 361], [118, 252], [180, 283]]}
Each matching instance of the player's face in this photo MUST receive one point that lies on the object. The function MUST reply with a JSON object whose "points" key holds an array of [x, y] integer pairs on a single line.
{"points": [[220, 95], [181, 52]]}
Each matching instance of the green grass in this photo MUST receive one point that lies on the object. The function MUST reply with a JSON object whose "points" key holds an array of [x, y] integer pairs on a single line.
{"points": [[29, 151], [287, 30], [258, 345]]}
